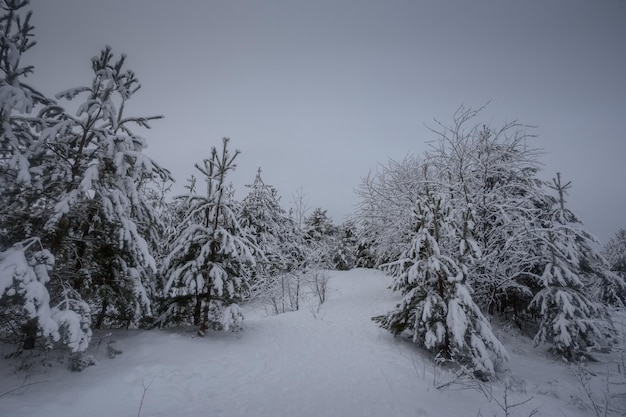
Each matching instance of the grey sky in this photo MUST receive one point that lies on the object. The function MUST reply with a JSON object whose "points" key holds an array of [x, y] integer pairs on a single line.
{"points": [[318, 92]]}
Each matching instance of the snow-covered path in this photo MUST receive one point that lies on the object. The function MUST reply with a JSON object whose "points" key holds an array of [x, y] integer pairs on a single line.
{"points": [[331, 362]]}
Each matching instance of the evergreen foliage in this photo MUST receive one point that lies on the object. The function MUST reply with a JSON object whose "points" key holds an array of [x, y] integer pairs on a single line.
{"points": [[535, 261], [100, 221], [345, 248], [18, 100], [320, 234], [211, 256], [492, 172], [615, 253], [570, 319], [437, 309], [281, 251], [26, 301], [465, 229], [76, 183]]}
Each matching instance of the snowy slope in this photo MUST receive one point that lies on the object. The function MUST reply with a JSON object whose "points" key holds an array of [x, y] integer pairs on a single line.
{"points": [[331, 362]]}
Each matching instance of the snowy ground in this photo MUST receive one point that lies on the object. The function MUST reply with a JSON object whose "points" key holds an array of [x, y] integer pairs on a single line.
{"points": [[331, 362]]}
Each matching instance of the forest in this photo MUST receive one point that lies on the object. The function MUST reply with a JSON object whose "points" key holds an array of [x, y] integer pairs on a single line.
{"points": [[92, 238]]}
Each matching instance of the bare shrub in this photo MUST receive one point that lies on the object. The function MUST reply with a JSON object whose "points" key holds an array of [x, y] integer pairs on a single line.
{"points": [[318, 283]]}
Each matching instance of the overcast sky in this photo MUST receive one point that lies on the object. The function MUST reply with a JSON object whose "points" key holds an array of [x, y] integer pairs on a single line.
{"points": [[318, 92]]}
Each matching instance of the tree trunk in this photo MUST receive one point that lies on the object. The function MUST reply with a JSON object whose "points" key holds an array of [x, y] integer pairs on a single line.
{"points": [[30, 334], [204, 326], [197, 311], [101, 315]]}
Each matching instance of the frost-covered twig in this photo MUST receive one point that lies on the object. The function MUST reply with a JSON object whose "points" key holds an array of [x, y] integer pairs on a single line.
{"points": [[603, 405], [143, 395], [507, 407], [463, 380]]}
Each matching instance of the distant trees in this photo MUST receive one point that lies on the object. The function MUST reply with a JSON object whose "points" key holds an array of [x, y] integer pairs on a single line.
{"points": [[293, 248], [345, 249], [319, 234], [613, 288], [529, 254], [615, 253]]}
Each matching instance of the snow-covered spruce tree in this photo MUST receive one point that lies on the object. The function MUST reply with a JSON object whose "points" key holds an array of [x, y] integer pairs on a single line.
{"points": [[437, 309], [281, 249], [99, 221], [571, 320], [211, 255], [345, 248]]}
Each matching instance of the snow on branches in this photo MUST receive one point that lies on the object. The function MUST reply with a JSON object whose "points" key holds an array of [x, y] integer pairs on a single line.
{"points": [[437, 309], [210, 256], [531, 257], [571, 319], [23, 292]]}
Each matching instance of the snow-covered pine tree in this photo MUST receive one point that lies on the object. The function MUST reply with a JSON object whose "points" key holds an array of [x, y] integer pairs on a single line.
{"points": [[211, 255], [99, 221], [26, 301], [437, 308], [281, 250], [19, 127], [17, 99], [571, 320]]}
